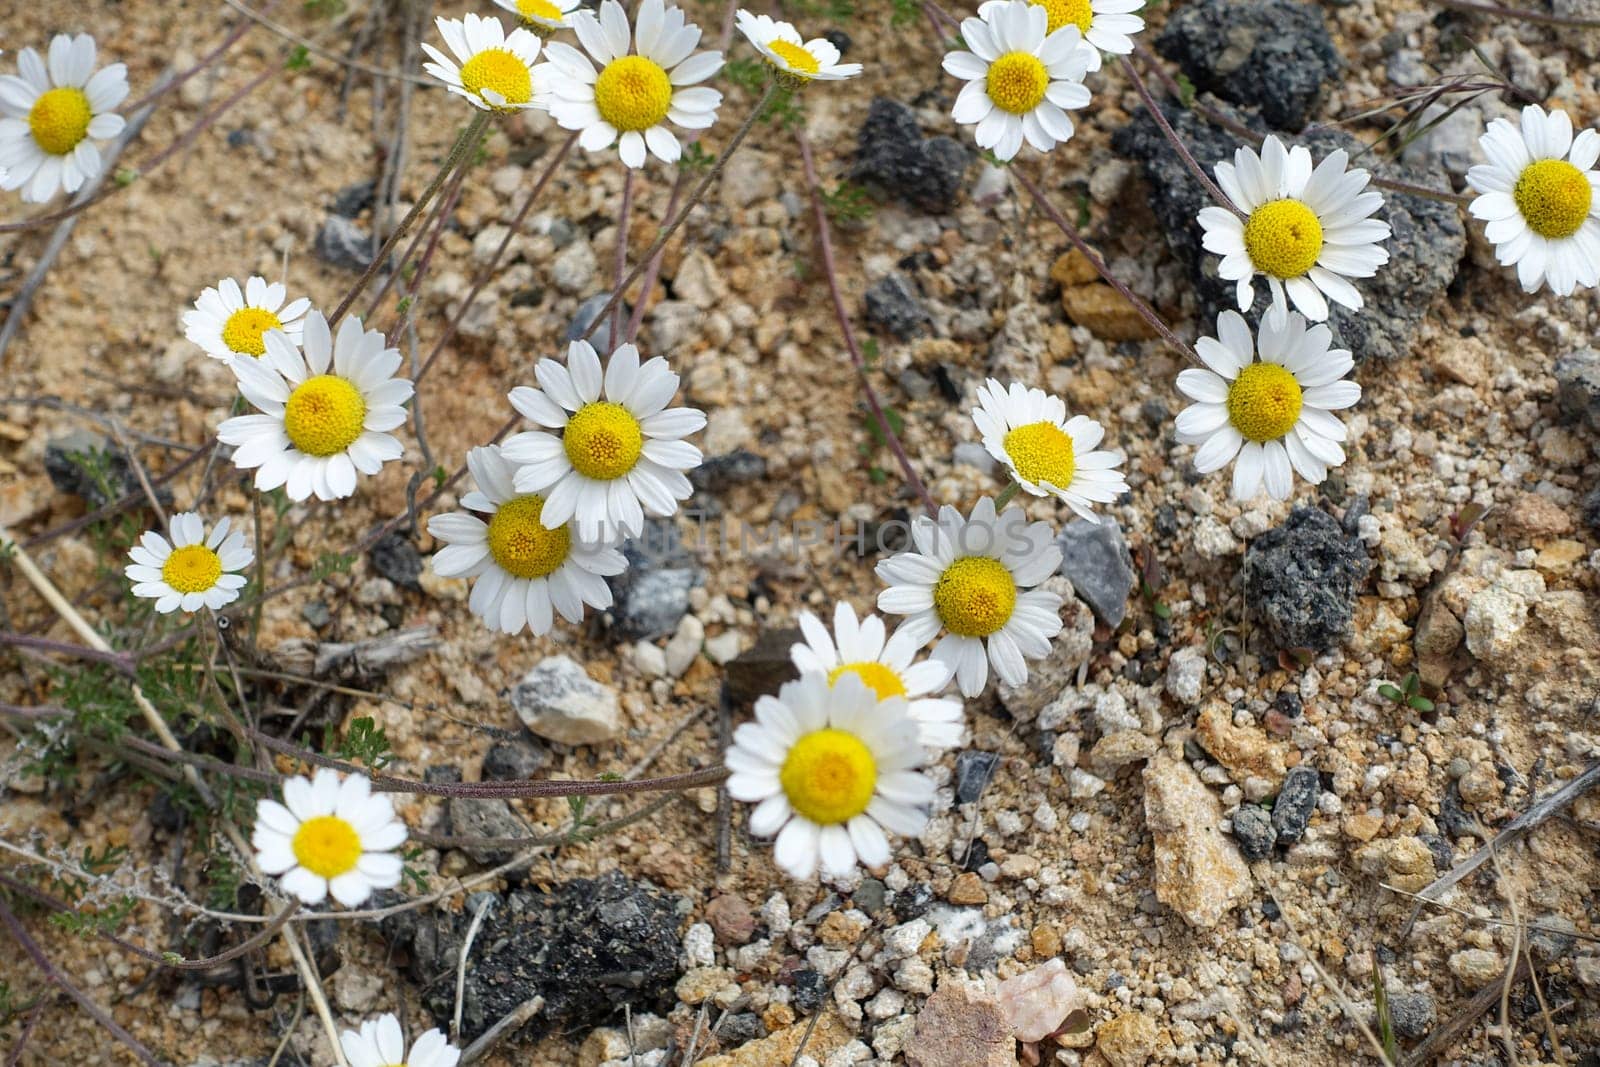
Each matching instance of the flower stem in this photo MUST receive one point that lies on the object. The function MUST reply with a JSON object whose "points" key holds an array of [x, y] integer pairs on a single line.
{"points": [[459, 152], [1177, 142], [683, 213], [1006, 494], [615, 336]]}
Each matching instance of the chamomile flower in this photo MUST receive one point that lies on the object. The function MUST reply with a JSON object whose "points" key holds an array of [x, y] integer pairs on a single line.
{"points": [[780, 44], [542, 17], [1047, 453], [50, 113], [620, 454], [1021, 79], [830, 768], [522, 572], [228, 321], [381, 1044], [1272, 412], [973, 579], [1108, 25], [1538, 198], [1306, 230], [628, 100], [192, 570], [495, 72], [886, 667], [326, 410], [330, 835]]}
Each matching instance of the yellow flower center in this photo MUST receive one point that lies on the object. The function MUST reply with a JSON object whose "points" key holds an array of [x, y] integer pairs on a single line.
{"points": [[603, 441], [500, 71], [60, 119], [1042, 453], [829, 776], [539, 10], [519, 542], [633, 93], [192, 569], [1283, 238], [327, 846], [975, 596], [1017, 82], [1264, 402], [799, 60], [880, 679], [1553, 197], [324, 415], [1062, 12], [244, 328]]}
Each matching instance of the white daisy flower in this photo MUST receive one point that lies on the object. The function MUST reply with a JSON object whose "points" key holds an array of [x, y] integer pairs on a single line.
{"points": [[1047, 453], [50, 114], [1271, 412], [616, 459], [326, 410], [330, 835], [780, 44], [542, 17], [629, 98], [830, 768], [1021, 80], [496, 68], [886, 667], [381, 1044], [1539, 200], [193, 570], [1108, 25], [227, 321], [520, 569], [973, 578], [1306, 230]]}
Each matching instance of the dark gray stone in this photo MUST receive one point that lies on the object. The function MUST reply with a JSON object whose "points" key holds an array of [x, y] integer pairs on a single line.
{"points": [[653, 593], [810, 989], [733, 468], [761, 669], [316, 613], [1591, 508], [583, 323], [396, 558], [870, 895], [1301, 578], [1252, 827], [1444, 853], [1291, 812], [341, 243], [1552, 936], [893, 157], [893, 306], [1454, 821], [515, 761], [586, 946], [89, 466], [973, 771], [1094, 557], [1273, 55], [1412, 1014], [1578, 385], [738, 1029], [485, 818], [912, 902], [1424, 252], [352, 200]]}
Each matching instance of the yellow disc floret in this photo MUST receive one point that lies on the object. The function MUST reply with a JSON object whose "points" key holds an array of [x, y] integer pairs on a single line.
{"points": [[603, 441], [829, 776], [519, 542], [1554, 197], [60, 119], [191, 569], [633, 93], [799, 60], [327, 846], [500, 71], [539, 11], [324, 415], [1064, 12], [878, 678], [244, 329], [1042, 453], [1264, 402], [1017, 81], [1283, 238], [975, 596]]}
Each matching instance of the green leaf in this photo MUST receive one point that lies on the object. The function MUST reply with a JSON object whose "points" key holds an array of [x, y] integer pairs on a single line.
{"points": [[1389, 692], [1420, 704], [1185, 90], [299, 58]]}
